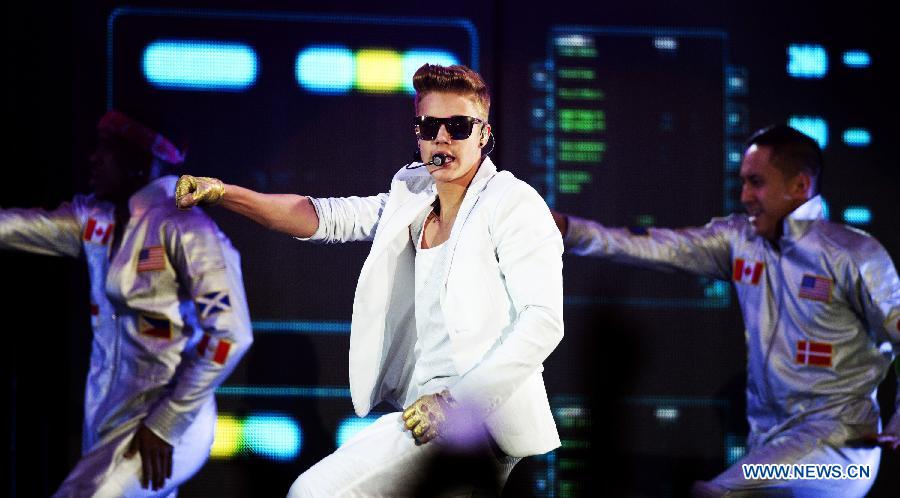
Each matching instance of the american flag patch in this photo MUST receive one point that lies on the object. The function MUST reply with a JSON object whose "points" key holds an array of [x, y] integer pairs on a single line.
{"points": [[151, 259], [97, 232], [816, 288], [214, 349], [814, 353], [748, 272], [158, 327]]}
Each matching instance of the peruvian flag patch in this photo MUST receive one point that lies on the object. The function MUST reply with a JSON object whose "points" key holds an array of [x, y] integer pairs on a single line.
{"points": [[814, 353], [214, 349], [97, 232], [748, 272]]}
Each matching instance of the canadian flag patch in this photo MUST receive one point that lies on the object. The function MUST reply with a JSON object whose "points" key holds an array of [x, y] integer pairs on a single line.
{"points": [[748, 272], [215, 349], [97, 232]]}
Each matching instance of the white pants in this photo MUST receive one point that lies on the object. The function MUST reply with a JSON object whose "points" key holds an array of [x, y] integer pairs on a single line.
{"points": [[104, 472], [381, 460], [805, 444]]}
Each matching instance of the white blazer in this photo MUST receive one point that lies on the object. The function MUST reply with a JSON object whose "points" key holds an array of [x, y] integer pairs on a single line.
{"points": [[502, 299]]}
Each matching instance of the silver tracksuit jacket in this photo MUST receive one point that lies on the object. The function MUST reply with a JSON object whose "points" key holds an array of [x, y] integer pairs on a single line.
{"points": [[821, 314], [169, 313]]}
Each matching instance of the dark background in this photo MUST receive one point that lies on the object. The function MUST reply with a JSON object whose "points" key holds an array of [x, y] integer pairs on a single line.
{"points": [[647, 385]]}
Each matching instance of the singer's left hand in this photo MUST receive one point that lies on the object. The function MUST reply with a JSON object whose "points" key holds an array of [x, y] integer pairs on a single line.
{"points": [[427, 417]]}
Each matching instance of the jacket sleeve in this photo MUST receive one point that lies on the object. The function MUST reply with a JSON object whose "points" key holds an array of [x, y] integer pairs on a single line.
{"points": [[703, 250], [875, 291], [209, 273], [529, 251], [347, 219], [51, 233]]}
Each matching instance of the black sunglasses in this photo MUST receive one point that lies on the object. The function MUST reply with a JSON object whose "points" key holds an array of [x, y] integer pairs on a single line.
{"points": [[459, 127]]}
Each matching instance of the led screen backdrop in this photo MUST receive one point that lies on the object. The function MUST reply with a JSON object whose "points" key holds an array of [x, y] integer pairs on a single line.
{"points": [[629, 114]]}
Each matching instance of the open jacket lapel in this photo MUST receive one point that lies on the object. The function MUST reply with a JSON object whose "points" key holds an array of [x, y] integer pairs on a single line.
{"points": [[485, 173]]}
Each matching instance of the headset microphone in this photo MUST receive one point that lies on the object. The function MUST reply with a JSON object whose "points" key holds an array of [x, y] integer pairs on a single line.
{"points": [[438, 159]]}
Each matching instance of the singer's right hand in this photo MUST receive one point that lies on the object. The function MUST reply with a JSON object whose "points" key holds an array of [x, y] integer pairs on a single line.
{"points": [[191, 191]]}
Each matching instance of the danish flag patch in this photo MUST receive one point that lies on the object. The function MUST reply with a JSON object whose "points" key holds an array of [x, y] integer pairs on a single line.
{"points": [[814, 353], [748, 272], [97, 232]]}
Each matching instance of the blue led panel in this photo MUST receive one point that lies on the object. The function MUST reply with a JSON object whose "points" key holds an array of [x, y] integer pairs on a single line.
{"points": [[328, 69], [665, 43], [200, 65], [857, 215], [413, 59], [813, 126], [807, 61], [857, 59], [857, 137], [352, 425], [273, 436]]}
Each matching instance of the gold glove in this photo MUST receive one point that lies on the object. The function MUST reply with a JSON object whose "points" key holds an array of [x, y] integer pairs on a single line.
{"points": [[428, 415], [191, 191]]}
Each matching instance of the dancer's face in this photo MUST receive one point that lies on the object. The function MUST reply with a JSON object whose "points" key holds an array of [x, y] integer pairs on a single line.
{"points": [[464, 154], [767, 193], [117, 168]]}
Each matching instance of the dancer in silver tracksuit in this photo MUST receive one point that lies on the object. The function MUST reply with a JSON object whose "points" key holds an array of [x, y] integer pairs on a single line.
{"points": [[169, 315], [821, 303]]}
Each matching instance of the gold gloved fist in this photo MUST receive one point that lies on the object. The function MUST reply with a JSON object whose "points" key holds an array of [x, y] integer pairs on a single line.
{"points": [[427, 416], [191, 191]]}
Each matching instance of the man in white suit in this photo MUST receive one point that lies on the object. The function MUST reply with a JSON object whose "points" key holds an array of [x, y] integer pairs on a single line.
{"points": [[458, 303]]}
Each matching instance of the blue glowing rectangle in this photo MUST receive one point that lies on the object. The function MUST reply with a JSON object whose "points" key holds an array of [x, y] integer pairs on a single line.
{"points": [[857, 215], [665, 43], [328, 69], [807, 61], [273, 436], [414, 59], [826, 209], [351, 425], [200, 65], [857, 137], [813, 126], [857, 59], [301, 326]]}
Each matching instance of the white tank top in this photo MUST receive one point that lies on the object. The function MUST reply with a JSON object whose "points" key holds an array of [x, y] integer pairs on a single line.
{"points": [[434, 369]]}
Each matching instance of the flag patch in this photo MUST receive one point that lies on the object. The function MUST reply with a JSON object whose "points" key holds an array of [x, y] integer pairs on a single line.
{"points": [[816, 288], [748, 272], [151, 259], [214, 349], [97, 232], [212, 303], [814, 353], [95, 315], [158, 327]]}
